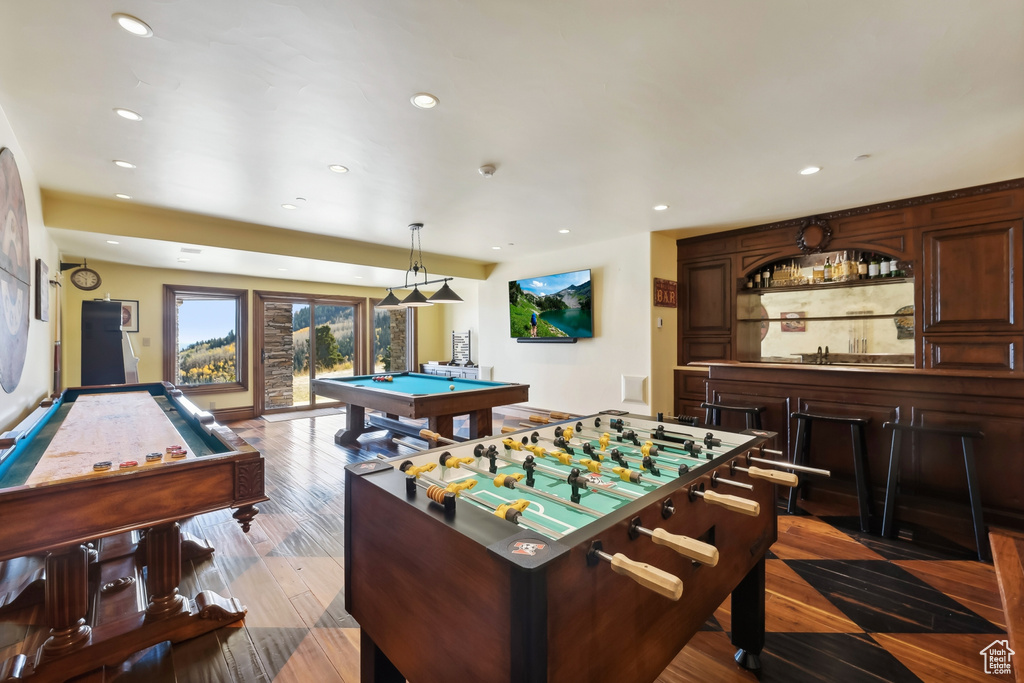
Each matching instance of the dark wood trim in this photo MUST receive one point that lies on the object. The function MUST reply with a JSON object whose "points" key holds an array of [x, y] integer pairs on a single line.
{"points": [[171, 293], [233, 414], [949, 195]]}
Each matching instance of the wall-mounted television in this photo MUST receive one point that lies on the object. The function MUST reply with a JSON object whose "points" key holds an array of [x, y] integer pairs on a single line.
{"points": [[551, 308]]}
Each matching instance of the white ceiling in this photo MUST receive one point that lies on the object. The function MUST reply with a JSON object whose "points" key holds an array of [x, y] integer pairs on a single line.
{"points": [[592, 111]]}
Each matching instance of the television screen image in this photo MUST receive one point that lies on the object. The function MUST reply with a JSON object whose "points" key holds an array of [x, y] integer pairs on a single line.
{"points": [[551, 306]]}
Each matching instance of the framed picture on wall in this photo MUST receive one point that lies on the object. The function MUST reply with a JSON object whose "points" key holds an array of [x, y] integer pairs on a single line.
{"points": [[129, 314], [42, 291]]}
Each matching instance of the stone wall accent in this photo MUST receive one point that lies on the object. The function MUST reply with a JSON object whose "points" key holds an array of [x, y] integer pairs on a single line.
{"points": [[398, 341], [277, 343]]}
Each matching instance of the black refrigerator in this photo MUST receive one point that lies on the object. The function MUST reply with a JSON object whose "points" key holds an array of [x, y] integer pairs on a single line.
{"points": [[102, 356]]}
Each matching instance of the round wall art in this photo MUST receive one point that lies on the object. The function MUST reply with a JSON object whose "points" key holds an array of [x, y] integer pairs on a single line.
{"points": [[15, 274]]}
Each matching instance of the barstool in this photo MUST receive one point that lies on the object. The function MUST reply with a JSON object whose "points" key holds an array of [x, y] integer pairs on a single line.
{"points": [[713, 414], [801, 455], [966, 436]]}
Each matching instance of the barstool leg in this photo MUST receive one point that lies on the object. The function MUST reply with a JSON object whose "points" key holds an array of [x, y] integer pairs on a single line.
{"points": [[975, 494], [803, 440], [861, 475], [890, 485]]}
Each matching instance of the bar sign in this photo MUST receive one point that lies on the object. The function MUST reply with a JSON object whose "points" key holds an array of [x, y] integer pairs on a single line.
{"points": [[664, 293]]}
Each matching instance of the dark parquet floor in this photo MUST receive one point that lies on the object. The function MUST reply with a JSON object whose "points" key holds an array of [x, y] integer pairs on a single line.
{"points": [[841, 605]]}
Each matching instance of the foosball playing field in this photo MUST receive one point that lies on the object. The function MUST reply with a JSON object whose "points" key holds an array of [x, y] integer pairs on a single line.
{"points": [[534, 550]]}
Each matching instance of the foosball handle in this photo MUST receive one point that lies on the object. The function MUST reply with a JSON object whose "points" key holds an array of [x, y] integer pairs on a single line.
{"points": [[661, 582], [705, 553], [508, 430], [734, 503], [784, 478], [554, 415], [539, 419]]}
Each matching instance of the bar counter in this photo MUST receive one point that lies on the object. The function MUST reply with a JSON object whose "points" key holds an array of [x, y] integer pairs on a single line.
{"points": [[932, 482]]}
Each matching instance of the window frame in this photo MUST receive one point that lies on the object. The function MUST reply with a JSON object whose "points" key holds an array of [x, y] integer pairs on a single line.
{"points": [[170, 352]]}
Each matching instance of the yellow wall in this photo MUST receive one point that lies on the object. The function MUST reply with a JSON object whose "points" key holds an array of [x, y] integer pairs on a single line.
{"points": [[146, 286], [37, 375]]}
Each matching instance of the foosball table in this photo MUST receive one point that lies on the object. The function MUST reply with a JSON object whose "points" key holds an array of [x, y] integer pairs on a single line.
{"points": [[589, 549]]}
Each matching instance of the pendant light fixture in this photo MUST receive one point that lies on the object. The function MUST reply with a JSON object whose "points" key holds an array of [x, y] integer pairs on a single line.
{"points": [[445, 295]]}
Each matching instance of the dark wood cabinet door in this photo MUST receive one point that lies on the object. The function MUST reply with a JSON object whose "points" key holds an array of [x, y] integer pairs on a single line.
{"points": [[707, 298], [971, 279]]}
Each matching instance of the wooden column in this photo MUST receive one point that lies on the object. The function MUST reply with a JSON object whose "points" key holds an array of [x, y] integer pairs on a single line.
{"points": [[67, 601]]}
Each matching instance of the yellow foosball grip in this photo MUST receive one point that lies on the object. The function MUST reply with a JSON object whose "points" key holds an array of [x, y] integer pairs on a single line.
{"points": [[539, 419], [508, 430], [555, 415], [645, 450], [458, 486], [504, 479], [512, 444], [453, 463], [734, 503], [691, 548], [567, 433], [626, 474], [605, 439], [429, 435], [777, 476], [661, 582], [592, 465], [537, 450], [418, 470]]}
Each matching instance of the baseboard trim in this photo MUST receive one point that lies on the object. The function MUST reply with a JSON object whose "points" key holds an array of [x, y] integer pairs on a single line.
{"points": [[233, 414]]}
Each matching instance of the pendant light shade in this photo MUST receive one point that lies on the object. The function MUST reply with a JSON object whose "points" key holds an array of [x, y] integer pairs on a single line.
{"points": [[445, 295], [416, 298], [390, 302]]}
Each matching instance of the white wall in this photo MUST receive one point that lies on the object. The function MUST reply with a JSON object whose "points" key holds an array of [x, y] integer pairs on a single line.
{"points": [[37, 376], [586, 376]]}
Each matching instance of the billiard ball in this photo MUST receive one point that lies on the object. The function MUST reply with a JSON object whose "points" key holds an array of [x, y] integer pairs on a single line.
{"points": [[451, 387]]}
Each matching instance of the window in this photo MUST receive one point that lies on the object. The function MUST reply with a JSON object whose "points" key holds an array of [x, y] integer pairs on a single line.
{"points": [[205, 343]]}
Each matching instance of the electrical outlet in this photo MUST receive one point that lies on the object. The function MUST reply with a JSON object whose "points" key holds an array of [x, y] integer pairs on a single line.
{"points": [[145, 341], [213, 405]]}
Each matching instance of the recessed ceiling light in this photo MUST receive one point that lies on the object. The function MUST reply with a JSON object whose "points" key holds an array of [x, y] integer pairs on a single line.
{"points": [[357, 277], [184, 260], [282, 269], [290, 207], [134, 26], [810, 170], [424, 100], [113, 242], [128, 114], [338, 168], [123, 164], [660, 207], [564, 231], [122, 195], [496, 248]]}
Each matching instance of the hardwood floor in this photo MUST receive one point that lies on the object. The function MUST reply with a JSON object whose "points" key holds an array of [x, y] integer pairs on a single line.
{"points": [[841, 605]]}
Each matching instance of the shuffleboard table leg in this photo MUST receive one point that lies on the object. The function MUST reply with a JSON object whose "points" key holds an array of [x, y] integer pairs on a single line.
{"points": [[67, 602], [748, 618], [374, 665]]}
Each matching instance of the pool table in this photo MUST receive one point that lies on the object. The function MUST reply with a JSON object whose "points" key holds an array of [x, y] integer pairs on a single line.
{"points": [[54, 502], [416, 395]]}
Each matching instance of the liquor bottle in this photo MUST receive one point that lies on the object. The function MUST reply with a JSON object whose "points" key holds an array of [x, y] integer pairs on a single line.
{"points": [[828, 270], [757, 280], [894, 269], [885, 267], [862, 267], [873, 267], [849, 267], [766, 277], [750, 283]]}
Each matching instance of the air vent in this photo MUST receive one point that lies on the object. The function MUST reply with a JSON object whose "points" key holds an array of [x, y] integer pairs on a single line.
{"points": [[191, 250]]}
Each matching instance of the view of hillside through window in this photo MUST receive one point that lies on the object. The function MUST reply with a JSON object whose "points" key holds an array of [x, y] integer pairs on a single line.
{"points": [[207, 341]]}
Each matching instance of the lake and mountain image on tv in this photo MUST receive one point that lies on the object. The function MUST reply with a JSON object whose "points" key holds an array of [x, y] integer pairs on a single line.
{"points": [[551, 306]]}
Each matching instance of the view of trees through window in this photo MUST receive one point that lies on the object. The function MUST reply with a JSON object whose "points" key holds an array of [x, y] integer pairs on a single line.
{"points": [[207, 341], [332, 337]]}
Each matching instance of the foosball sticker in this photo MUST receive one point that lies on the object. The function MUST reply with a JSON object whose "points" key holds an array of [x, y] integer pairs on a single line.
{"points": [[594, 479], [527, 546]]}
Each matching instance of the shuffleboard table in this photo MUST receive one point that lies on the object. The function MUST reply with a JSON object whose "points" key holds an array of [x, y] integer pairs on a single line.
{"points": [[417, 395], [585, 550], [57, 500]]}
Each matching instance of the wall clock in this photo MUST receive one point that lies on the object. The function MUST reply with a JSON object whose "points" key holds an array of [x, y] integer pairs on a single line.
{"points": [[86, 278]]}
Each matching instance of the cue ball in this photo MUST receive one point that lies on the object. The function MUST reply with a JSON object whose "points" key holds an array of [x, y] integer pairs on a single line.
{"points": [[451, 387]]}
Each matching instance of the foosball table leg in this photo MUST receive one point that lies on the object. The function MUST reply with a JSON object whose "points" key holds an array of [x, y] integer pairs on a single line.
{"points": [[748, 618], [374, 665]]}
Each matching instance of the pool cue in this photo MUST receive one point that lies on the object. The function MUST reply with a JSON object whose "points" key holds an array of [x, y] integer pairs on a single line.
{"points": [[509, 512], [510, 480], [782, 464], [690, 548], [729, 502], [774, 476], [657, 580]]}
